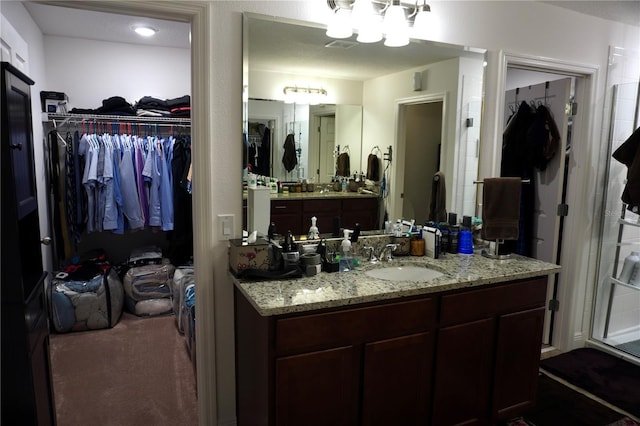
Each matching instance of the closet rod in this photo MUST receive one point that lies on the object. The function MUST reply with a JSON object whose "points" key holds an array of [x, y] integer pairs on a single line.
{"points": [[79, 118]]}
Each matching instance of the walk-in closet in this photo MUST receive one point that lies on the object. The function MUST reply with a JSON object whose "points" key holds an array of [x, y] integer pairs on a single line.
{"points": [[116, 159]]}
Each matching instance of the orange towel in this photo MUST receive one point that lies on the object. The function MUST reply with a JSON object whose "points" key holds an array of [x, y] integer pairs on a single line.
{"points": [[501, 208]]}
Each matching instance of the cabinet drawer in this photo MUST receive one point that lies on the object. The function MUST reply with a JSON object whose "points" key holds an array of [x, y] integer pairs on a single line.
{"points": [[279, 206], [354, 325], [312, 206], [360, 204], [483, 303]]}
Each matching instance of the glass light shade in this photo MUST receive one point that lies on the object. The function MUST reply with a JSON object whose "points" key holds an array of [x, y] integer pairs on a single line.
{"points": [[422, 23], [395, 27], [366, 21], [340, 25]]}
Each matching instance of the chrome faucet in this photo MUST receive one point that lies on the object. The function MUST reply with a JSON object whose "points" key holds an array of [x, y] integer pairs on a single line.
{"points": [[388, 249], [372, 254]]}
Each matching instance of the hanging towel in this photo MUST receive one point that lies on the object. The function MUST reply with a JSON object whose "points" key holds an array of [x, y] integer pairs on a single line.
{"points": [[629, 155], [342, 165], [501, 208], [373, 168], [438, 205], [289, 159]]}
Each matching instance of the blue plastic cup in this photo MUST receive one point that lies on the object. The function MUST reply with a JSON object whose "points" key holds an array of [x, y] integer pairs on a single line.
{"points": [[465, 242]]}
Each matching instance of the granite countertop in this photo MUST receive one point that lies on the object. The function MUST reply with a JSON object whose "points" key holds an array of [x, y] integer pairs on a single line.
{"points": [[330, 290], [317, 195]]}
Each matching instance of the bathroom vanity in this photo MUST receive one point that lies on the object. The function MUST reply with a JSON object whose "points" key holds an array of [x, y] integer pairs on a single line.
{"points": [[293, 212], [350, 349]]}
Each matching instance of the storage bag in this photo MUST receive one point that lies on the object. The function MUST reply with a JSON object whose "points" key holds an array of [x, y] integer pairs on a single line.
{"points": [[85, 304]]}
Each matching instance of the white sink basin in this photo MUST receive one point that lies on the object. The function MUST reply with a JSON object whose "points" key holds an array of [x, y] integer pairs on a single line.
{"points": [[404, 273]]}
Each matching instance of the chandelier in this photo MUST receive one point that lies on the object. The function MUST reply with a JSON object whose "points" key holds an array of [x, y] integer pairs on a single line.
{"points": [[375, 19]]}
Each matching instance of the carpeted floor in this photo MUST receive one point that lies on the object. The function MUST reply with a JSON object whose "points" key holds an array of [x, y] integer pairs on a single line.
{"points": [[137, 373], [613, 379]]}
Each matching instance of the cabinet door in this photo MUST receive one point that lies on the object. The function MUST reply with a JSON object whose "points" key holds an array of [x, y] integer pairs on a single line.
{"points": [[360, 210], [286, 215], [318, 388], [325, 212], [397, 381], [517, 361], [463, 373]]}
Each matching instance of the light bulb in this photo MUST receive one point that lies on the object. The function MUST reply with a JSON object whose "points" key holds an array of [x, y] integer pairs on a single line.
{"points": [[395, 27], [339, 25]]}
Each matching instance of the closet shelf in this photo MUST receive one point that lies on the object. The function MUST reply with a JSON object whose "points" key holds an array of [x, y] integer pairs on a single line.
{"points": [[119, 118]]}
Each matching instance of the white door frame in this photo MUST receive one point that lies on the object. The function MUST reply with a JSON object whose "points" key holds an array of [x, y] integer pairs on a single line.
{"points": [[200, 16], [397, 165], [576, 283]]}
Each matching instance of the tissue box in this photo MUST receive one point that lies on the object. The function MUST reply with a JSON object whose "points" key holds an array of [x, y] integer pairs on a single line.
{"points": [[244, 256]]}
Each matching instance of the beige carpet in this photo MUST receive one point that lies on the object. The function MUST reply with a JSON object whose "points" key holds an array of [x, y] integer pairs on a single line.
{"points": [[137, 373]]}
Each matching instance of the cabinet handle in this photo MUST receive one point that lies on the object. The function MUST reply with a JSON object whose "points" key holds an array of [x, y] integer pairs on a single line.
{"points": [[17, 146], [280, 207], [45, 240]]}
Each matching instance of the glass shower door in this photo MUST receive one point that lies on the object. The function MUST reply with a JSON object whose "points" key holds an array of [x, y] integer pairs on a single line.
{"points": [[616, 320]]}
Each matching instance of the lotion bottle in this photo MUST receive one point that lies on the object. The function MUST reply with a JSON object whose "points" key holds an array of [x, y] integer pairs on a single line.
{"points": [[346, 260], [631, 269]]}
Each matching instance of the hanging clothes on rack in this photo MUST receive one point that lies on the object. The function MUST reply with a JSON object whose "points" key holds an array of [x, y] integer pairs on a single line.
{"points": [[117, 182], [529, 141]]}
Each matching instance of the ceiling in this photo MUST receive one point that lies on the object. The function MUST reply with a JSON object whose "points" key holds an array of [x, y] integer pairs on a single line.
{"points": [[284, 46]]}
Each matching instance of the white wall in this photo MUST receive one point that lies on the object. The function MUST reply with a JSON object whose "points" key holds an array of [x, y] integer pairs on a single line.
{"points": [[526, 27], [380, 99], [270, 85], [89, 71]]}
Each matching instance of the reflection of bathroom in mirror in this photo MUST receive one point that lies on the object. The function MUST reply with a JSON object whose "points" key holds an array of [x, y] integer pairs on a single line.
{"points": [[372, 102]]}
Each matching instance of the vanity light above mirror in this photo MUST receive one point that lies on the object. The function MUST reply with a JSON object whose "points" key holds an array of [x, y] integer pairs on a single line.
{"points": [[372, 20]]}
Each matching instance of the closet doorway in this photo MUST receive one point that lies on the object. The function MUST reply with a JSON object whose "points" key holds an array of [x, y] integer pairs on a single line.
{"points": [[568, 327], [178, 13]]}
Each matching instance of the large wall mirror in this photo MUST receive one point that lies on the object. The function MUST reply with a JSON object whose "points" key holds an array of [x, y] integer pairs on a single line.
{"points": [[423, 101]]}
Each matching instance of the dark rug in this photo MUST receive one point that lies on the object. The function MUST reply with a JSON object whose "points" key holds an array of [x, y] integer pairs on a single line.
{"points": [[560, 405], [632, 347], [613, 379]]}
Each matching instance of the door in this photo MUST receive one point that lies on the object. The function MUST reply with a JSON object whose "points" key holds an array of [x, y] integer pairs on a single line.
{"points": [[317, 388], [423, 135], [327, 146], [551, 182], [397, 381]]}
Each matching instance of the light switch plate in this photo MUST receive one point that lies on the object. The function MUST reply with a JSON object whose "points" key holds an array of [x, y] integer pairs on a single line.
{"points": [[225, 226]]}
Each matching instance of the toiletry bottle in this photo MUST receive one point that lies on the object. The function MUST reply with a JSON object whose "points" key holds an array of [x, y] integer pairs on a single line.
{"points": [[346, 261], [631, 269]]}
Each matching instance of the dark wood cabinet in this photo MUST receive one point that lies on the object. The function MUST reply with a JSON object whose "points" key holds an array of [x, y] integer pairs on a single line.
{"points": [[27, 392], [452, 358], [488, 352], [286, 215], [360, 210], [307, 384], [323, 210], [397, 381]]}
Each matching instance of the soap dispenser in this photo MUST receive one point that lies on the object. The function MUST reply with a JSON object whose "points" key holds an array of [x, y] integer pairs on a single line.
{"points": [[346, 260]]}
